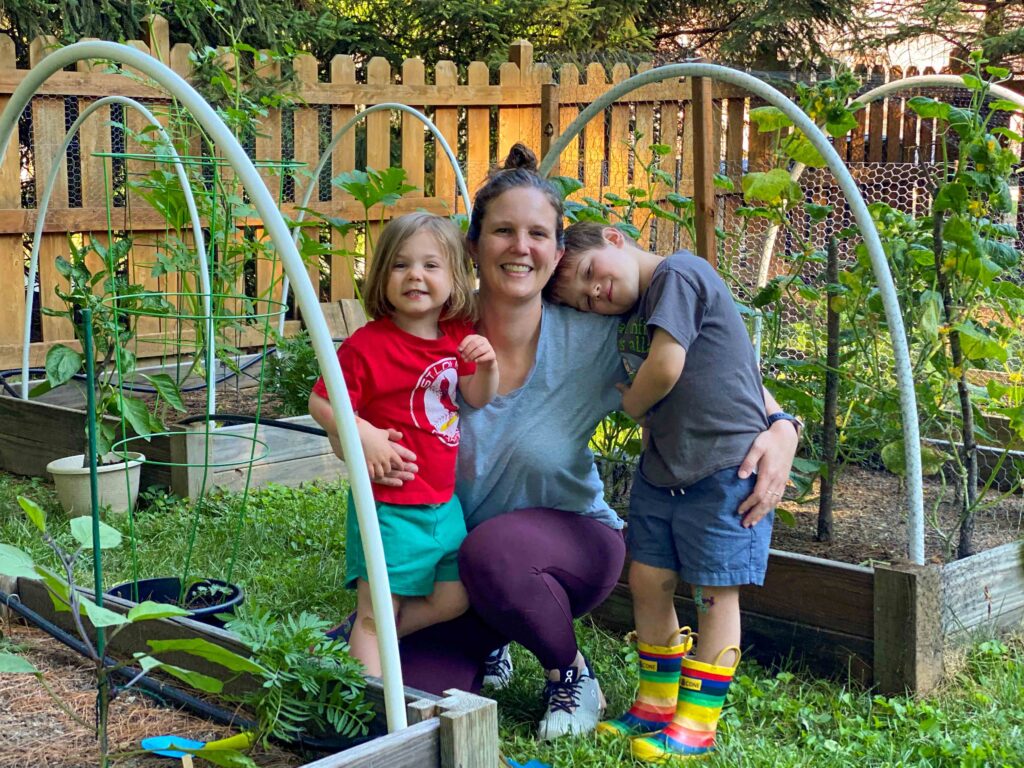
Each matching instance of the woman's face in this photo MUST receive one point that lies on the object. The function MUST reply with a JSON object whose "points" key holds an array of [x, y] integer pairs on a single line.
{"points": [[518, 246]]}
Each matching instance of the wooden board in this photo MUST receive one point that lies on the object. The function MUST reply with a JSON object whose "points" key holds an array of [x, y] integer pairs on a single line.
{"points": [[12, 267], [568, 86], [984, 590], [766, 638], [413, 132], [447, 121], [478, 137]]}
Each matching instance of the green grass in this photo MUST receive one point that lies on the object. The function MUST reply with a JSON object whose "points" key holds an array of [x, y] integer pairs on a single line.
{"points": [[291, 557]]}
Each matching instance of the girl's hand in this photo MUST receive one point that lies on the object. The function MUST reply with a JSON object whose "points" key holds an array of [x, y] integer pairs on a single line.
{"points": [[383, 453], [477, 349], [771, 456]]}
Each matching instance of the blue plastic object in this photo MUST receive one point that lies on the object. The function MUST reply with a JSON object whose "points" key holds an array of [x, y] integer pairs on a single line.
{"points": [[164, 745], [532, 764]]}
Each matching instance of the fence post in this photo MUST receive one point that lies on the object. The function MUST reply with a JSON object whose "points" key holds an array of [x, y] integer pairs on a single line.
{"points": [[705, 164], [908, 628], [469, 730], [520, 53], [548, 120]]}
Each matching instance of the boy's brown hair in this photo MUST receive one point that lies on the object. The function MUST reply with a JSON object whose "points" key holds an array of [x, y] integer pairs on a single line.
{"points": [[461, 305]]}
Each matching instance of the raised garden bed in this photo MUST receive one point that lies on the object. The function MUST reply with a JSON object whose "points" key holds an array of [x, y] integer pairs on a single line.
{"points": [[33, 433], [882, 623], [457, 730]]}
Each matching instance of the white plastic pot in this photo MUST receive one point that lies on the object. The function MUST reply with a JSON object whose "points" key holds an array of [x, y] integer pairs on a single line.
{"points": [[72, 481]]}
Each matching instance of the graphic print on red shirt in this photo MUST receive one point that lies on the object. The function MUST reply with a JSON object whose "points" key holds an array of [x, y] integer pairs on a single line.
{"points": [[400, 381]]}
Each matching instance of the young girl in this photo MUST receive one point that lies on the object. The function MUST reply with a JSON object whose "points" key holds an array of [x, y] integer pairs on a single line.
{"points": [[402, 371]]}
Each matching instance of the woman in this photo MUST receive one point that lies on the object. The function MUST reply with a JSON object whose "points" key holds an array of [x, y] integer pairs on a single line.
{"points": [[543, 546]]}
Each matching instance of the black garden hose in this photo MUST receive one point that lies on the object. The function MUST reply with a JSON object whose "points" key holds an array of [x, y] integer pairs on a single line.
{"points": [[166, 694], [235, 418]]}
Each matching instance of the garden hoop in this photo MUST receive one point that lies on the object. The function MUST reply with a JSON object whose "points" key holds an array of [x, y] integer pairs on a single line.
{"points": [[306, 298], [901, 351]]}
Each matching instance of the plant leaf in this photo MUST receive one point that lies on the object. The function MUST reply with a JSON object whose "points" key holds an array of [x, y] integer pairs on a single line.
{"points": [[62, 363], [13, 664], [100, 616], [197, 680], [81, 529], [16, 563], [136, 413], [148, 610], [167, 388], [768, 119], [207, 650], [33, 512]]}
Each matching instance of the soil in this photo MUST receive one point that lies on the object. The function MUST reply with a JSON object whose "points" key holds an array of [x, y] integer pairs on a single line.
{"points": [[870, 517], [36, 733], [232, 400]]}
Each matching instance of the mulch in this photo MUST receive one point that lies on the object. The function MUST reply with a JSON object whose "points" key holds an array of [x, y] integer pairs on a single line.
{"points": [[36, 733]]}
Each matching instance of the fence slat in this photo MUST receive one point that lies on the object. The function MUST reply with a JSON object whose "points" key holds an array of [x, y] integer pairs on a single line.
{"points": [[447, 120], [594, 141], [47, 133], [670, 137], [307, 143], [894, 122], [734, 138], [478, 131], [509, 126], [413, 137], [910, 128], [927, 145], [645, 137], [876, 119], [618, 138], [12, 269], [568, 84], [378, 132], [343, 158]]}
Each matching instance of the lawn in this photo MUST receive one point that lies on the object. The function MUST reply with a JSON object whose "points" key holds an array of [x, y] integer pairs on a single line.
{"points": [[290, 556]]}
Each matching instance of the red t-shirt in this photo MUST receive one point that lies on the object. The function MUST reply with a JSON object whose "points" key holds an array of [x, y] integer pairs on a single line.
{"points": [[401, 381]]}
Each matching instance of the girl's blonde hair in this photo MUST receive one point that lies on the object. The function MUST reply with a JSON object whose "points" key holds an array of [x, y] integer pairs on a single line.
{"points": [[461, 305]]}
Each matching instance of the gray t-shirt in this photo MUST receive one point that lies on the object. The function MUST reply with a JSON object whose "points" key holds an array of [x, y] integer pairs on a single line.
{"points": [[528, 448], [716, 409]]}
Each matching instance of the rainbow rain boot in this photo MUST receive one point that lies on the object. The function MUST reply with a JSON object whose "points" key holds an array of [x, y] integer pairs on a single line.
{"points": [[659, 688], [691, 734]]}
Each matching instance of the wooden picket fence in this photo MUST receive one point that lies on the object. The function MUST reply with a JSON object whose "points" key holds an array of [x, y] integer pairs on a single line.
{"points": [[480, 112]]}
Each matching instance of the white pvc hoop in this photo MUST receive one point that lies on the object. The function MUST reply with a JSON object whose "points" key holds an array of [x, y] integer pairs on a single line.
{"points": [[306, 297], [459, 178], [901, 351], [197, 233]]}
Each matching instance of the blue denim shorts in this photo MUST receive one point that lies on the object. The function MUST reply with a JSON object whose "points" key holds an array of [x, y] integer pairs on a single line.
{"points": [[697, 533]]}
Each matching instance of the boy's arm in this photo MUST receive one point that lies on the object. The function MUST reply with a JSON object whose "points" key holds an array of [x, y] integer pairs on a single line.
{"points": [[656, 376], [479, 388]]}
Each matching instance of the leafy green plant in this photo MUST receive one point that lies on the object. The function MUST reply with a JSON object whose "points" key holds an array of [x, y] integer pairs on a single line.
{"points": [[115, 305], [67, 597], [292, 371], [310, 683]]}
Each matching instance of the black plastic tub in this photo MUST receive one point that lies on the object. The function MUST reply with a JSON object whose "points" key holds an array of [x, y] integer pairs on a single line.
{"points": [[203, 600]]}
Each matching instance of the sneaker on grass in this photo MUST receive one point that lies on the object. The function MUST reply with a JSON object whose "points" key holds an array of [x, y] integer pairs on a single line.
{"points": [[575, 704], [498, 668]]}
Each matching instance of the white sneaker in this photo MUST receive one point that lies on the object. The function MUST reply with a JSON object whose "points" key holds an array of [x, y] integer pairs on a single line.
{"points": [[575, 704], [498, 668]]}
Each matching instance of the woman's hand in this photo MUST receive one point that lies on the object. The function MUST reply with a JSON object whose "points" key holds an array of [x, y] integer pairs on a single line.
{"points": [[771, 456], [386, 460]]}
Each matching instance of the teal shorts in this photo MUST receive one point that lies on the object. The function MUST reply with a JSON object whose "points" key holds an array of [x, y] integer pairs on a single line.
{"points": [[421, 545]]}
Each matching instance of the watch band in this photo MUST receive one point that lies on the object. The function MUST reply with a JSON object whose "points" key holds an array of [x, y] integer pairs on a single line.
{"points": [[783, 416]]}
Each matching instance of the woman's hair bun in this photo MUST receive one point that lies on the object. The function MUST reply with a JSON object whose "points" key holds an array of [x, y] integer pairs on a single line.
{"points": [[520, 156]]}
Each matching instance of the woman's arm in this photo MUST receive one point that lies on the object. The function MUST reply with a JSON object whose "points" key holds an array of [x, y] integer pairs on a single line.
{"points": [[771, 456], [388, 462]]}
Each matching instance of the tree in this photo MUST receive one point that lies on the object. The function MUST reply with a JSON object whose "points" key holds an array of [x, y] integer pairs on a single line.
{"points": [[994, 27]]}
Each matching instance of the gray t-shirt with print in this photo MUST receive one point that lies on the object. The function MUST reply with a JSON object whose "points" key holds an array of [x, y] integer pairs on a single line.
{"points": [[716, 409], [528, 448]]}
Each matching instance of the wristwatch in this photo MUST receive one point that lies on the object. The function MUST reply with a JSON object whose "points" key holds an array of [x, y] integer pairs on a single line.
{"points": [[783, 416]]}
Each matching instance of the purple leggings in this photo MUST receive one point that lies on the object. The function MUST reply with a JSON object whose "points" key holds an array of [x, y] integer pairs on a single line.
{"points": [[528, 574]]}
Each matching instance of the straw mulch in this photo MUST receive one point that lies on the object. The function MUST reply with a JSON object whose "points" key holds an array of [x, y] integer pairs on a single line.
{"points": [[36, 733]]}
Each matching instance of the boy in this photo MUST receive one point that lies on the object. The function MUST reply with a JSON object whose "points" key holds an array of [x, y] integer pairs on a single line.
{"points": [[697, 392]]}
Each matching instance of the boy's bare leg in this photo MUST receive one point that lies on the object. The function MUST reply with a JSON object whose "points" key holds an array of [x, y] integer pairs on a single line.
{"points": [[654, 611], [448, 601], [363, 641], [718, 622]]}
